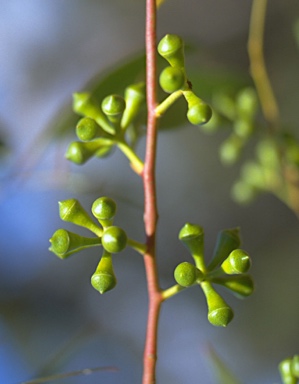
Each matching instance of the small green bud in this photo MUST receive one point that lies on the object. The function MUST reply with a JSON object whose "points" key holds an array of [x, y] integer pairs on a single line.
{"points": [[198, 111], [172, 79], [199, 114], [113, 106], [79, 152], [104, 210], [192, 236], [220, 313], [243, 193], [230, 149], [227, 241], [71, 210], [241, 285], [186, 274], [295, 366], [87, 129], [243, 128], [171, 48], [134, 98], [237, 262], [285, 370], [64, 243], [247, 102], [104, 279], [114, 239], [267, 154]]}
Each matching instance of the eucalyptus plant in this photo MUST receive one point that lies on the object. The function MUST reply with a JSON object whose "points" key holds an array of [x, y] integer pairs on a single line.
{"points": [[113, 122]]}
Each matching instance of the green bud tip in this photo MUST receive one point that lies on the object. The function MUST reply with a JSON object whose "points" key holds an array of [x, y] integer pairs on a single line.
{"points": [[104, 279], [171, 48], [114, 239], [199, 113], [113, 105], [186, 274], [237, 262], [87, 129], [172, 79], [104, 208]]}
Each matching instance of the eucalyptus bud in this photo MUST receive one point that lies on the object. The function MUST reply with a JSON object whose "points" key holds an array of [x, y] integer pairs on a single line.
{"points": [[104, 279], [79, 152], [237, 262], [285, 369], [114, 239], [186, 274], [227, 241], [241, 285], [172, 79], [192, 236], [64, 243], [113, 106], [171, 48], [134, 98], [230, 149], [199, 112], [247, 102], [104, 209], [71, 210], [220, 313], [87, 129]]}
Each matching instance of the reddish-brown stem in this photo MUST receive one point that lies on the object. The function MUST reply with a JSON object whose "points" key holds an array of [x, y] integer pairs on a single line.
{"points": [[150, 199]]}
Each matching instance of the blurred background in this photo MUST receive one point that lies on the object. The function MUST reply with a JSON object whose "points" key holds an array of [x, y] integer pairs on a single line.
{"points": [[51, 319]]}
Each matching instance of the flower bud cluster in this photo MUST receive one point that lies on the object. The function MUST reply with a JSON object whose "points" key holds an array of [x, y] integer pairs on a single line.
{"points": [[173, 79], [113, 239], [103, 126], [228, 267]]}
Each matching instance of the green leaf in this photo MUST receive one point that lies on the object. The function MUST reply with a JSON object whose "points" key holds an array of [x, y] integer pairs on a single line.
{"points": [[221, 371]]}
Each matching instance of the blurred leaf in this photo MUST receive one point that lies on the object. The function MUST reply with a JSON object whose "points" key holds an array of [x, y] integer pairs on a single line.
{"points": [[221, 371]]}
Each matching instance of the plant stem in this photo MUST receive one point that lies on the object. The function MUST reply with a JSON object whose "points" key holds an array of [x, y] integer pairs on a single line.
{"points": [[150, 203], [257, 63]]}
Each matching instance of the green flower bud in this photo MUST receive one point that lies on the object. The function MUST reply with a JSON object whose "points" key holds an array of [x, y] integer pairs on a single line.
{"points": [[171, 48], [198, 111], [237, 262], [227, 241], [114, 239], [241, 285], [219, 312], [247, 102], [104, 210], [104, 279], [186, 274], [113, 106], [71, 210], [134, 98], [295, 366], [79, 152], [230, 149], [267, 154], [172, 79], [243, 128], [243, 193], [64, 243], [192, 236], [87, 129], [84, 105], [199, 114], [286, 374]]}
